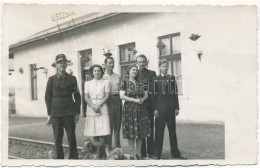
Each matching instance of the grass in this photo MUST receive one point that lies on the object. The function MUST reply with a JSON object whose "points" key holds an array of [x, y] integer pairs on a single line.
{"points": [[196, 141]]}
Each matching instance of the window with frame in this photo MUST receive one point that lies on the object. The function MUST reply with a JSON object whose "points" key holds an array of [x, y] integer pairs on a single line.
{"points": [[33, 81], [127, 57], [170, 49]]}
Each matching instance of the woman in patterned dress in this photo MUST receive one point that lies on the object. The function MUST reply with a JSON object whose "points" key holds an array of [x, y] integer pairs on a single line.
{"points": [[135, 118], [97, 92]]}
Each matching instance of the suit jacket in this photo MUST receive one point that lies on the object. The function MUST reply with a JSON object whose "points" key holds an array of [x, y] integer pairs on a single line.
{"points": [[164, 95], [145, 77], [58, 95]]}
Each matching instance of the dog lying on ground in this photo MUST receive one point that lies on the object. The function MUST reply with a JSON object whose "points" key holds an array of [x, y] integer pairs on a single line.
{"points": [[96, 151], [116, 154], [93, 150]]}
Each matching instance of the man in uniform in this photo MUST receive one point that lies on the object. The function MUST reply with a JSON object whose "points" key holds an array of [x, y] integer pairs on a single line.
{"points": [[114, 102], [145, 76], [63, 111]]}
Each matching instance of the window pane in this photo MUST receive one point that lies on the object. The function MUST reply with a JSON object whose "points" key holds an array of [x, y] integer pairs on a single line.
{"points": [[167, 49], [170, 68], [89, 59], [131, 55], [123, 54], [131, 52], [86, 59], [176, 45], [127, 52]]}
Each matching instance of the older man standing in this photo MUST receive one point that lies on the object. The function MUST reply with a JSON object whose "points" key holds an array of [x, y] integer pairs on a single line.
{"points": [[63, 111], [114, 102], [146, 76]]}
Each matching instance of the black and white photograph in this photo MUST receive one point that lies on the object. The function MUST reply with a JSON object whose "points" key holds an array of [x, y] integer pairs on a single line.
{"points": [[129, 85]]}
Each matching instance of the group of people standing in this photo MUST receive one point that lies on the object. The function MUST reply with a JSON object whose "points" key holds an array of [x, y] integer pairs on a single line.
{"points": [[146, 98]]}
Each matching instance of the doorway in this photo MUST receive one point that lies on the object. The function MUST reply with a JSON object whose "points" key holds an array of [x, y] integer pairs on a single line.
{"points": [[85, 64]]}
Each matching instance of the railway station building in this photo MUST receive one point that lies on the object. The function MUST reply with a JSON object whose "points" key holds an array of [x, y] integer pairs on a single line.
{"points": [[212, 65]]}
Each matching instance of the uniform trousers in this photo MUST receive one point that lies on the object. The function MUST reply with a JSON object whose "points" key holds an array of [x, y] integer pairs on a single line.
{"points": [[58, 125], [166, 117]]}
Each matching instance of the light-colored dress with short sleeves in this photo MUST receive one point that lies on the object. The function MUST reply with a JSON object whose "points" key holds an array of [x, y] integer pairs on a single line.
{"points": [[97, 124]]}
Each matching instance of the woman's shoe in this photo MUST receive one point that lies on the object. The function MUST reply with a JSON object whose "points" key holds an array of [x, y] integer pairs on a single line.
{"points": [[139, 157]]}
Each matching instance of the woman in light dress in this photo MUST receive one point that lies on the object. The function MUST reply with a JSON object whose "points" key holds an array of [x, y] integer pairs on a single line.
{"points": [[97, 92]]}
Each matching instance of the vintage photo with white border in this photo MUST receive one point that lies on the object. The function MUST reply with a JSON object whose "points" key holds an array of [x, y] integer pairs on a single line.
{"points": [[129, 85]]}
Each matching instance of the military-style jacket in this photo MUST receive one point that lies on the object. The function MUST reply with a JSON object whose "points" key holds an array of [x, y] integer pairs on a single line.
{"points": [[59, 95]]}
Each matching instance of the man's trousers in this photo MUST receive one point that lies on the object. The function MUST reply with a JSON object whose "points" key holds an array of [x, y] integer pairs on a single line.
{"points": [[165, 117], [114, 105], [148, 143], [58, 125]]}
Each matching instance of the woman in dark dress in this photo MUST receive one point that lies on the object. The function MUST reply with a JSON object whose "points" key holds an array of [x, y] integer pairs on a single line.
{"points": [[135, 118]]}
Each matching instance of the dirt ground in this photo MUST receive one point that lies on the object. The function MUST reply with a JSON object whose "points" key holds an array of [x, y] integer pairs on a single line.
{"points": [[195, 140]]}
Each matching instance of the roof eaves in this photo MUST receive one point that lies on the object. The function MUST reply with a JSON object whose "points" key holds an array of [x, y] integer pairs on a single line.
{"points": [[58, 30]]}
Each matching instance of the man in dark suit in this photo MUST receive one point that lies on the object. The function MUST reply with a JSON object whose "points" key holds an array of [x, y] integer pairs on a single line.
{"points": [[145, 76], [166, 106], [63, 111]]}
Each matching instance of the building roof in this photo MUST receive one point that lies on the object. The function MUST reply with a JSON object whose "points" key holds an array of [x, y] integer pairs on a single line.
{"points": [[66, 26]]}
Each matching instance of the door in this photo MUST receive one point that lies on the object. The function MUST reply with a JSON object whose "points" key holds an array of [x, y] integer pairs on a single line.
{"points": [[85, 64]]}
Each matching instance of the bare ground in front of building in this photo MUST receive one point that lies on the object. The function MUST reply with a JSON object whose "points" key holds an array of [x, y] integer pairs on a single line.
{"points": [[196, 141]]}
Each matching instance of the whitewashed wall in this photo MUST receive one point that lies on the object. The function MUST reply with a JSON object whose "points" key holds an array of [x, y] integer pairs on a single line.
{"points": [[224, 79]]}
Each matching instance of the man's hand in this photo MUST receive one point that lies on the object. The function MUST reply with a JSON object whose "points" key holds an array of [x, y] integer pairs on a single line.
{"points": [[156, 113], [48, 122], [177, 112], [76, 118]]}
